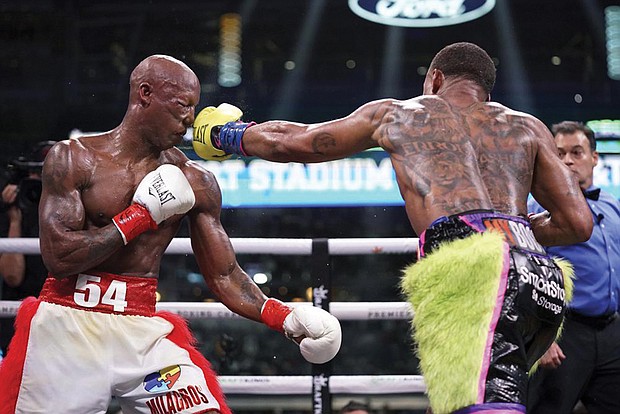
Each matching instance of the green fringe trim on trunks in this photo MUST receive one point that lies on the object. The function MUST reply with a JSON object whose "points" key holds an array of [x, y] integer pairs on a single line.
{"points": [[453, 293]]}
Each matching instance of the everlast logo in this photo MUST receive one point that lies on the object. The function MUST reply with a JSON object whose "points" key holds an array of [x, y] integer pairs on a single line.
{"points": [[162, 191], [201, 133], [177, 401]]}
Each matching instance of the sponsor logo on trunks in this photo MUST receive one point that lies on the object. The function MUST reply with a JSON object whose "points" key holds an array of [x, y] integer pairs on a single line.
{"points": [[162, 380], [178, 400], [516, 234], [545, 289], [162, 192]]}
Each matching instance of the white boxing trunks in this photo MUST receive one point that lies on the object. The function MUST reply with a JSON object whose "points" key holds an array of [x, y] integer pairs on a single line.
{"points": [[90, 337]]}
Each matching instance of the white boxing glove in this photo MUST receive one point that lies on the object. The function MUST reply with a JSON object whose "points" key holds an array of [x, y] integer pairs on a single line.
{"points": [[320, 332], [165, 192], [161, 194]]}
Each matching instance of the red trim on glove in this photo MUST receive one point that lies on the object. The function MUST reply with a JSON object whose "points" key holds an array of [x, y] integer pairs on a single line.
{"points": [[273, 314], [133, 221]]}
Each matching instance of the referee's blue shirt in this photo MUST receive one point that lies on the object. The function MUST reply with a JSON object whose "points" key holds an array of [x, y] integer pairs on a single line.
{"points": [[597, 261]]}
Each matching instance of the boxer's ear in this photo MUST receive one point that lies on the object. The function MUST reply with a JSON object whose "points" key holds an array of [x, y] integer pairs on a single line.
{"points": [[437, 80]]}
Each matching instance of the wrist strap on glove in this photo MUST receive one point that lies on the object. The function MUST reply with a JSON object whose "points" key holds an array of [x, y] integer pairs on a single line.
{"points": [[230, 136], [273, 314], [133, 221]]}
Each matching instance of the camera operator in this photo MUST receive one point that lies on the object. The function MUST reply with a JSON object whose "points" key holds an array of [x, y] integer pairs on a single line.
{"points": [[22, 275]]}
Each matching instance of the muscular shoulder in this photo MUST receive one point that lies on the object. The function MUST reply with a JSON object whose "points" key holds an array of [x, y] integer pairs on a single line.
{"points": [[71, 161], [205, 186]]}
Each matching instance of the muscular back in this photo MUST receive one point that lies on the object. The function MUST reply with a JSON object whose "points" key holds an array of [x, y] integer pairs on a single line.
{"points": [[434, 158], [506, 143], [451, 159]]}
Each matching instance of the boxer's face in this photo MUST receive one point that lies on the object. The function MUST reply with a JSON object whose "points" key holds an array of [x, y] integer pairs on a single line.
{"points": [[575, 152]]}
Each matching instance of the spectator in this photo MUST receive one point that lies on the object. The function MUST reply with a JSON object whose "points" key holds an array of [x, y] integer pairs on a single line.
{"points": [[584, 363], [22, 275], [355, 407]]}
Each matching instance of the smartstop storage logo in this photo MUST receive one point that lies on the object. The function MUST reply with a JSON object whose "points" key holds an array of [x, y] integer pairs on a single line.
{"points": [[421, 13]]}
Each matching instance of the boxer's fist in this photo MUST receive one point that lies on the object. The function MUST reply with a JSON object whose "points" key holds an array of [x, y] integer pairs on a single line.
{"points": [[320, 331], [205, 137], [161, 194], [165, 192]]}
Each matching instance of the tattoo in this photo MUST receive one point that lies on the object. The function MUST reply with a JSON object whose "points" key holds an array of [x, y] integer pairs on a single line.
{"points": [[322, 142], [506, 153], [57, 173], [247, 292], [436, 153]]}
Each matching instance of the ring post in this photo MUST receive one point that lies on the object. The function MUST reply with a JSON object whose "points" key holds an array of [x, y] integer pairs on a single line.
{"points": [[321, 296]]}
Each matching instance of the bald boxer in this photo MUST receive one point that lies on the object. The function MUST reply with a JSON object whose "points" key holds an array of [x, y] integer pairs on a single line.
{"points": [[110, 206], [487, 298]]}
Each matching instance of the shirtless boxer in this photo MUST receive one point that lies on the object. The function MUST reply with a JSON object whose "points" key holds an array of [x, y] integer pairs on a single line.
{"points": [[487, 303], [110, 206]]}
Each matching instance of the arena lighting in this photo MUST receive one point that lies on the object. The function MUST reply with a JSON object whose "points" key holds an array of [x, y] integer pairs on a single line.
{"points": [[612, 33], [289, 89], [520, 95], [421, 13], [392, 67], [229, 67]]}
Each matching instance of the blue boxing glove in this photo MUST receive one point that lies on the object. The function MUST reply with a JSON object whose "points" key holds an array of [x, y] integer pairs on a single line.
{"points": [[218, 132]]}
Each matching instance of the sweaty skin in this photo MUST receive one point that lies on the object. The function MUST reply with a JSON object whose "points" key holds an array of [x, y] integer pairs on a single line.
{"points": [[88, 180], [452, 151]]}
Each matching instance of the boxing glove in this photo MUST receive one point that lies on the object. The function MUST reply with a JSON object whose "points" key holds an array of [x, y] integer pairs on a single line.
{"points": [[218, 132], [320, 332], [161, 194]]}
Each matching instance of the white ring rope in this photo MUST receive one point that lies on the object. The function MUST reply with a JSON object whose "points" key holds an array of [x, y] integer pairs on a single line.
{"points": [[259, 246], [345, 311], [338, 384]]}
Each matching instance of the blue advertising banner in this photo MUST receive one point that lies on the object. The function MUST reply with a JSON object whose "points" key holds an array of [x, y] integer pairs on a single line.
{"points": [[360, 181]]}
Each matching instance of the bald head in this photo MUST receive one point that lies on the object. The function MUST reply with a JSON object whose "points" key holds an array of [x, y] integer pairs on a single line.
{"points": [[161, 71]]}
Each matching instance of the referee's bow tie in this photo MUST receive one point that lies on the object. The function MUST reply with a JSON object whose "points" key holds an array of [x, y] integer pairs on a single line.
{"points": [[592, 194]]}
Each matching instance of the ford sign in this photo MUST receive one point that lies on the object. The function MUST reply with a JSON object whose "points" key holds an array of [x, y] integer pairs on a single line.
{"points": [[421, 13]]}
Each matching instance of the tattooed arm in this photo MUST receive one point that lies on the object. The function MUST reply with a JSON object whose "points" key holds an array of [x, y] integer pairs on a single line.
{"points": [[67, 248], [284, 141], [569, 220], [213, 249]]}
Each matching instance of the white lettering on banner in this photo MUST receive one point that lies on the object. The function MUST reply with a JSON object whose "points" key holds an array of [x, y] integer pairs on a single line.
{"points": [[419, 8], [354, 174], [319, 382], [421, 13]]}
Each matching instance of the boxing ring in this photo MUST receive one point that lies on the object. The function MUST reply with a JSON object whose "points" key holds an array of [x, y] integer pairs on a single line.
{"points": [[321, 385]]}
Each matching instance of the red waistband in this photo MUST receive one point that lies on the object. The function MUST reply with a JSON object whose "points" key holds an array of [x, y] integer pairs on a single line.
{"points": [[103, 292]]}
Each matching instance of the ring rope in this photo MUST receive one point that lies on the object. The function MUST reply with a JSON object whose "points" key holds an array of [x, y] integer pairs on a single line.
{"points": [[346, 311], [182, 245], [338, 384]]}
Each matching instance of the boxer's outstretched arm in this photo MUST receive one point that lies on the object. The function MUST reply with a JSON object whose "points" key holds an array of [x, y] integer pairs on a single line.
{"points": [[556, 189], [66, 248], [284, 141]]}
